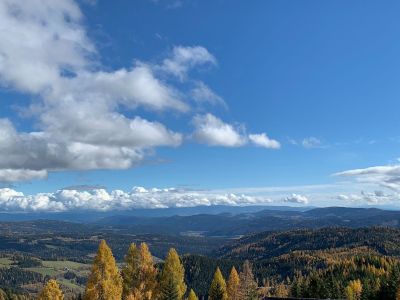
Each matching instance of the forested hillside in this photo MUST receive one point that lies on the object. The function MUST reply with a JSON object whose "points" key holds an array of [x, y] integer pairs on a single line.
{"points": [[385, 241]]}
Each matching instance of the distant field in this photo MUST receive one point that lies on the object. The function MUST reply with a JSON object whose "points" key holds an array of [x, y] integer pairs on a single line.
{"points": [[5, 262], [56, 269]]}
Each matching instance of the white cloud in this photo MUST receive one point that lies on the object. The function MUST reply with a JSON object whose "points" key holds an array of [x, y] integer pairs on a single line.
{"points": [[83, 115], [375, 197], [12, 175], [185, 58], [263, 140], [214, 132], [102, 200], [311, 142], [201, 93], [384, 176], [40, 39], [296, 198]]}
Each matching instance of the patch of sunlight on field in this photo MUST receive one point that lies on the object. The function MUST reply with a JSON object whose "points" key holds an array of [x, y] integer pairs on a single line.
{"points": [[5, 262], [58, 268], [44, 271], [70, 284]]}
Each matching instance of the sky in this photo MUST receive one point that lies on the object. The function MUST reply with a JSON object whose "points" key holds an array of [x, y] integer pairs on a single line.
{"points": [[165, 103]]}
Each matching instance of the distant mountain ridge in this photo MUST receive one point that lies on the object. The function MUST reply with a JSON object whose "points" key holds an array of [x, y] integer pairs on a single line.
{"points": [[83, 216], [224, 221], [226, 224]]}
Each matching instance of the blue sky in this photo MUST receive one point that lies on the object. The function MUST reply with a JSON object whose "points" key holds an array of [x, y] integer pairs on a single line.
{"points": [[267, 100]]}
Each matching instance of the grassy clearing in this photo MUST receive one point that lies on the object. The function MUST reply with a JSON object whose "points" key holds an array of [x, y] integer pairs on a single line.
{"points": [[5, 262]]}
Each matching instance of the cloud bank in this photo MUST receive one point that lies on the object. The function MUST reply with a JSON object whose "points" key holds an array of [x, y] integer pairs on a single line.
{"points": [[101, 200]]}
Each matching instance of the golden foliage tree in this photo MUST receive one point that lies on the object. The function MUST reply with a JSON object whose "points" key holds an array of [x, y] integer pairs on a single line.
{"points": [[233, 285], [172, 279], [248, 286], [192, 295], [51, 291], [353, 290], [130, 271], [139, 274], [104, 282], [218, 287], [281, 291]]}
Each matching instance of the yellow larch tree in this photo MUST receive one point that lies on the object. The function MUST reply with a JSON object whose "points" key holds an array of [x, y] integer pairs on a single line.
{"points": [[192, 295], [104, 282], [51, 291], [233, 285]]}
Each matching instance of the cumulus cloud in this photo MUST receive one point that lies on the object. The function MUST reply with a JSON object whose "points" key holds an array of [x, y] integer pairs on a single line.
{"points": [[84, 117], [79, 110], [214, 132], [102, 200], [384, 176], [263, 140], [296, 198]]}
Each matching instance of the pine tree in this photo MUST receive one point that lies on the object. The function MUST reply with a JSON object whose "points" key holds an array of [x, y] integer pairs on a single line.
{"points": [[233, 285], [104, 282], [218, 287], [192, 295], [248, 286], [51, 291], [172, 278]]}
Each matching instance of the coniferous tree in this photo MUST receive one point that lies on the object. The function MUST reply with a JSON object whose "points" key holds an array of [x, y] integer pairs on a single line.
{"points": [[169, 290], [147, 273], [130, 271], [172, 279], [218, 287], [104, 282], [51, 291], [139, 274], [281, 291], [353, 290], [248, 286], [192, 295], [233, 285]]}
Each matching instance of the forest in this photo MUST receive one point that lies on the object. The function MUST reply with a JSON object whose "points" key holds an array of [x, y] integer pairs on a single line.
{"points": [[330, 262], [326, 263]]}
